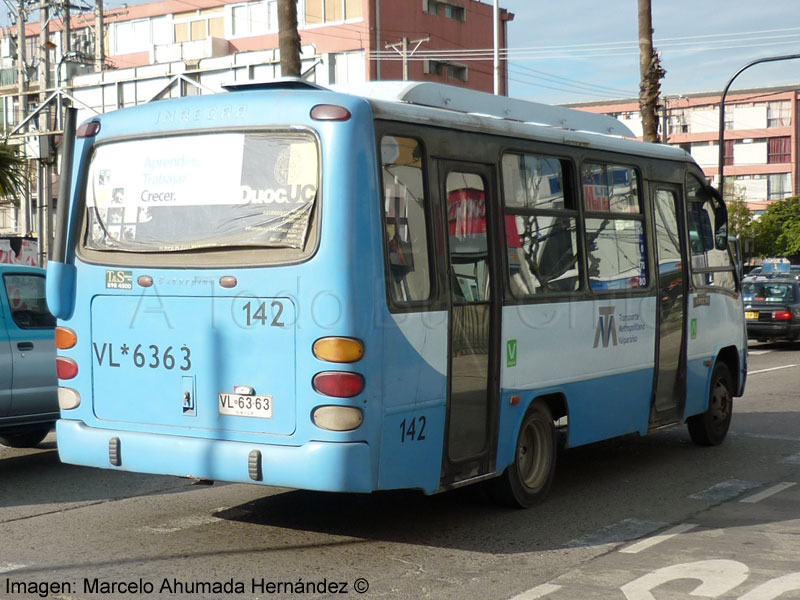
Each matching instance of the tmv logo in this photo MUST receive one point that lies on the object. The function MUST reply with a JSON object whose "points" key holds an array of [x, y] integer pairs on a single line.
{"points": [[606, 327]]}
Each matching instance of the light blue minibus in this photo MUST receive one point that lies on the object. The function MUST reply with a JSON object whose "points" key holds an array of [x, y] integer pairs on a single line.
{"points": [[405, 285]]}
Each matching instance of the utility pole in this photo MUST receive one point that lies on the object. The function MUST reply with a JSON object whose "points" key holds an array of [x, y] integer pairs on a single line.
{"points": [[404, 43], [377, 40], [288, 38], [496, 47], [99, 45], [651, 74], [43, 191], [22, 80], [24, 214], [66, 44]]}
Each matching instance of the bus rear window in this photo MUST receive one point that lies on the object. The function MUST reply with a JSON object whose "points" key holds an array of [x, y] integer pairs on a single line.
{"points": [[190, 192]]}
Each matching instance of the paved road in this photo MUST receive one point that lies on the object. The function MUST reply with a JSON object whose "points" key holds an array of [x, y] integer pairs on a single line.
{"points": [[625, 516]]}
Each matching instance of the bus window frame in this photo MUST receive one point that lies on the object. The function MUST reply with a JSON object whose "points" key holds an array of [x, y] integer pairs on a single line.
{"points": [[570, 180], [434, 302], [703, 270], [204, 258], [645, 205]]}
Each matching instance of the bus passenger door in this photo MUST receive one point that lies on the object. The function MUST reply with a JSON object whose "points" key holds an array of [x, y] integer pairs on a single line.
{"points": [[471, 436], [669, 386]]}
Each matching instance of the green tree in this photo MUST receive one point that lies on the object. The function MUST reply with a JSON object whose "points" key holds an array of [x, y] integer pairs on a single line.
{"points": [[740, 218], [777, 231], [12, 174]]}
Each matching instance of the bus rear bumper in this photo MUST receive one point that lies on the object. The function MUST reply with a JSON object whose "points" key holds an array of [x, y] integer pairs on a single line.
{"points": [[323, 466]]}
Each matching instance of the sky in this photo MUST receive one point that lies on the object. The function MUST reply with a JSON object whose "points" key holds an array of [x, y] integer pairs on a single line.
{"points": [[565, 51], [568, 51]]}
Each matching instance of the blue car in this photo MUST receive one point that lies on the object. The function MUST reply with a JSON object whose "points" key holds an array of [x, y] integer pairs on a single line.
{"points": [[28, 383]]}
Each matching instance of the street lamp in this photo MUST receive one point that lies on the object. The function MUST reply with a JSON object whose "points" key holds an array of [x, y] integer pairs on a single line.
{"points": [[722, 111]]}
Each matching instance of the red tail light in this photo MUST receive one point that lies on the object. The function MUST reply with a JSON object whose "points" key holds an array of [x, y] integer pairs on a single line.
{"points": [[338, 384], [66, 368], [782, 315]]}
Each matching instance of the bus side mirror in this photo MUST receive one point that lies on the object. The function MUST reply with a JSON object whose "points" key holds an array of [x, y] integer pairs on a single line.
{"points": [[720, 220], [721, 230], [706, 232]]}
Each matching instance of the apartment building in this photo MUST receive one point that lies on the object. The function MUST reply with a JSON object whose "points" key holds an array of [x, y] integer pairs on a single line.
{"points": [[343, 41], [173, 48], [761, 137]]}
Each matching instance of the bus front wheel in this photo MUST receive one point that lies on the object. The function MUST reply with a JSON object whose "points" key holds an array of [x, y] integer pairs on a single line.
{"points": [[711, 427], [528, 479]]}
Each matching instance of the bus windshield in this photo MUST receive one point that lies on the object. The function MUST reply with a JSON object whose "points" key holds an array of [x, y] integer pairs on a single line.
{"points": [[224, 189]]}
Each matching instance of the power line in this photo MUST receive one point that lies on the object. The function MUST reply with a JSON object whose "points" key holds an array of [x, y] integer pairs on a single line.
{"points": [[531, 54], [556, 88], [575, 81], [568, 85]]}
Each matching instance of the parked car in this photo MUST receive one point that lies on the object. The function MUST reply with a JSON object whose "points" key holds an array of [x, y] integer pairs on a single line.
{"points": [[28, 383], [772, 308]]}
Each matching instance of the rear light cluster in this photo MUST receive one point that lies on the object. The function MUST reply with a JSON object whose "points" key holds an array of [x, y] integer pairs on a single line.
{"points": [[782, 315], [338, 384], [66, 368]]}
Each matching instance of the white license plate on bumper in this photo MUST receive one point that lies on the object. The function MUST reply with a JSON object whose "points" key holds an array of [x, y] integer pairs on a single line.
{"points": [[242, 405]]}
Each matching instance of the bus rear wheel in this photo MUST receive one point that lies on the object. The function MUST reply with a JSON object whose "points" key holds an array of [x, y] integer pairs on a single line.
{"points": [[711, 427], [527, 480]]}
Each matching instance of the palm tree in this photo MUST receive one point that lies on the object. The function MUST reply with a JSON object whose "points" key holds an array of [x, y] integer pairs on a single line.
{"points": [[12, 174]]}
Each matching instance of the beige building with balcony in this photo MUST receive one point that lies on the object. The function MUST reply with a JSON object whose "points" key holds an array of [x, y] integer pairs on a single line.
{"points": [[761, 137], [162, 50]]}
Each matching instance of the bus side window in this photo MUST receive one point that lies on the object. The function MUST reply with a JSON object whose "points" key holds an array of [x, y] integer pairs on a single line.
{"points": [[614, 227], [541, 225], [711, 261], [405, 219]]}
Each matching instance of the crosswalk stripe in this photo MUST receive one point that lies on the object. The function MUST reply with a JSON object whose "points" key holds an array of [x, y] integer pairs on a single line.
{"points": [[775, 489], [657, 539]]}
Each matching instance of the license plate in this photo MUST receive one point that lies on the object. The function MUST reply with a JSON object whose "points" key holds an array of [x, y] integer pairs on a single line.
{"points": [[241, 405], [751, 315]]}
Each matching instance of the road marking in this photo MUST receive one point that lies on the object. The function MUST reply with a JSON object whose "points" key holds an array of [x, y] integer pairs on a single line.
{"points": [[758, 352], [717, 577], [8, 567], [764, 436], [181, 524], [657, 539], [539, 591], [726, 490], [768, 492], [629, 529], [794, 459], [774, 588], [768, 370]]}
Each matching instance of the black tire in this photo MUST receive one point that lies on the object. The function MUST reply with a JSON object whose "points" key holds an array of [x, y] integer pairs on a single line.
{"points": [[27, 439], [711, 427], [527, 480]]}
